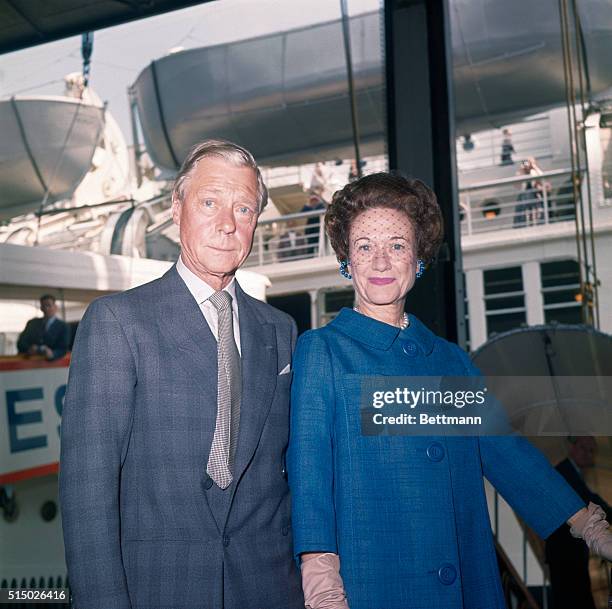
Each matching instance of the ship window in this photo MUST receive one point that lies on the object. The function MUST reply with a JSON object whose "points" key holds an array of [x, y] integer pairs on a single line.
{"points": [[504, 299], [296, 305], [561, 291], [334, 300]]}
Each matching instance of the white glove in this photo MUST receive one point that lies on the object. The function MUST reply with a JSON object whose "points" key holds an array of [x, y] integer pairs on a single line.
{"points": [[322, 584], [593, 527]]}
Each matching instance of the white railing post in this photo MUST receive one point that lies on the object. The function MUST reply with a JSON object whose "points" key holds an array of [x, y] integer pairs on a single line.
{"points": [[545, 201], [321, 236], [260, 247], [469, 213]]}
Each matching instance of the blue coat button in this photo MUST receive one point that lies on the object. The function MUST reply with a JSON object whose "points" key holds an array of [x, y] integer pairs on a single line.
{"points": [[447, 574], [208, 482], [226, 540], [435, 451], [409, 348]]}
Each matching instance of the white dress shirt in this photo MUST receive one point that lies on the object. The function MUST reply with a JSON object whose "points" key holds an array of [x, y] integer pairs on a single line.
{"points": [[201, 291], [49, 322]]}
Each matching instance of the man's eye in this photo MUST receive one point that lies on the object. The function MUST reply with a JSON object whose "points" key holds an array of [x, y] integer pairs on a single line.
{"points": [[244, 210], [208, 203]]}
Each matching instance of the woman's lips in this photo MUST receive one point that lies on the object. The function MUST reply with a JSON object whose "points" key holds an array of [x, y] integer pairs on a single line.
{"points": [[381, 280]]}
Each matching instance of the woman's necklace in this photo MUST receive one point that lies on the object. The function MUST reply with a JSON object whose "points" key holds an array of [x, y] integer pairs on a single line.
{"points": [[402, 324]]}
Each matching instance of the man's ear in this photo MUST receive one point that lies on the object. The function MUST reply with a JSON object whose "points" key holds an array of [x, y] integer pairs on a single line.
{"points": [[176, 210]]}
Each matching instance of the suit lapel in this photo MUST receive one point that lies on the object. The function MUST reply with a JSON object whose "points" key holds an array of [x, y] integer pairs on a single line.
{"points": [[259, 363], [181, 320]]}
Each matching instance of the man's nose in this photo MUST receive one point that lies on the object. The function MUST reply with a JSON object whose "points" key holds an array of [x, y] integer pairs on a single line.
{"points": [[226, 222]]}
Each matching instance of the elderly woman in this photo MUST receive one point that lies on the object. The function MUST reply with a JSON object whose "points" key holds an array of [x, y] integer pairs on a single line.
{"points": [[398, 522]]}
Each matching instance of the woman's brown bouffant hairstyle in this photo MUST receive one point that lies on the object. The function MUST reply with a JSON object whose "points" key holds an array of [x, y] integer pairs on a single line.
{"points": [[391, 191]]}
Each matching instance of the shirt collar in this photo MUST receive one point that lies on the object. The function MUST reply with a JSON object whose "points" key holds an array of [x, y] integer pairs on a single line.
{"points": [[379, 335], [199, 289]]}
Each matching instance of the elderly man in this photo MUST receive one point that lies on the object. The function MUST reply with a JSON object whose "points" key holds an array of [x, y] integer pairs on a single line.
{"points": [[568, 557], [175, 424]]}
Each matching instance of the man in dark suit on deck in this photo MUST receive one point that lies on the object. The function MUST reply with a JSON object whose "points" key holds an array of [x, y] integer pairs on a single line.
{"points": [[175, 424], [568, 557], [47, 335]]}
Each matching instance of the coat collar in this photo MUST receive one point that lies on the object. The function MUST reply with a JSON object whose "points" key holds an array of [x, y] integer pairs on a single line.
{"points": [[380, 335]]}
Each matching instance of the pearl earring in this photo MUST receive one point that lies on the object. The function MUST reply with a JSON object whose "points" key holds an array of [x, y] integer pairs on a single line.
{"points": [[344, 269], [420, 268]]}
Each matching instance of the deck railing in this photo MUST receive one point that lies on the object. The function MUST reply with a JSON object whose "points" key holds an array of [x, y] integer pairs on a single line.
{"points": [[517, 202], [289, 238], [521, 202], [529, 138]]}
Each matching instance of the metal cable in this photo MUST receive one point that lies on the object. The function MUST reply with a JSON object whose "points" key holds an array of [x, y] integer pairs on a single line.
{"points": [[582, 65], [569, 96], [346, 36]]}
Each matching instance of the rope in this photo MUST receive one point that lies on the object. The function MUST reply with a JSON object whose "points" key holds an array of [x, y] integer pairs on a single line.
{"points": [[582, 65], [584, 235], [570, 102]]}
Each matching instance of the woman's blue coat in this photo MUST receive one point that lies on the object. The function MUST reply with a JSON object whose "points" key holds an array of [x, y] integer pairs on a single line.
{"points": [[407, 515]]}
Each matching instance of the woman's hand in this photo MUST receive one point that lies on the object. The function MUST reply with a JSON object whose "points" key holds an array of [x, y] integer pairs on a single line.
{"points": [[321, 581], [591, 525]]}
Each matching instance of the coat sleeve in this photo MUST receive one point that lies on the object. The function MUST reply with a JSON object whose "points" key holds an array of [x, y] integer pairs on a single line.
{"points": [[26, 338], [527, 481], [310, 453], [525, 478], [96, 422]]}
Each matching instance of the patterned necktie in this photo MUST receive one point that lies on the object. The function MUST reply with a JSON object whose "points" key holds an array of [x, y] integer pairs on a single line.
{"points": [[229, 389]]}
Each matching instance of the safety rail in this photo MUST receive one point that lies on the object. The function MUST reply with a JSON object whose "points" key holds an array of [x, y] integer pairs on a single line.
{"points": [[511, 203], [517, 202], [516, 578], [528, 138], [336, 173], [289, 238]]}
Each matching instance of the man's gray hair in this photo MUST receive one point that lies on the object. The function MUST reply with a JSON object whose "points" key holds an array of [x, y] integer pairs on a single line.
{"points": [[230, 152]]}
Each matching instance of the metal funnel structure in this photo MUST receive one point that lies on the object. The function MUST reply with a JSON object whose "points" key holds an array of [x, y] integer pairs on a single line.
{"points": [[285, 96]]}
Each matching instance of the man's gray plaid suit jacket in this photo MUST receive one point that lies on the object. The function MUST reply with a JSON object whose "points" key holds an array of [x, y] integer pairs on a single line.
{"points": [[138, 422]]}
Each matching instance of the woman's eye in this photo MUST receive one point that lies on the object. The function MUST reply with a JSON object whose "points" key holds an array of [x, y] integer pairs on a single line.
{"points": [[364, 248], [397, 247]]}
